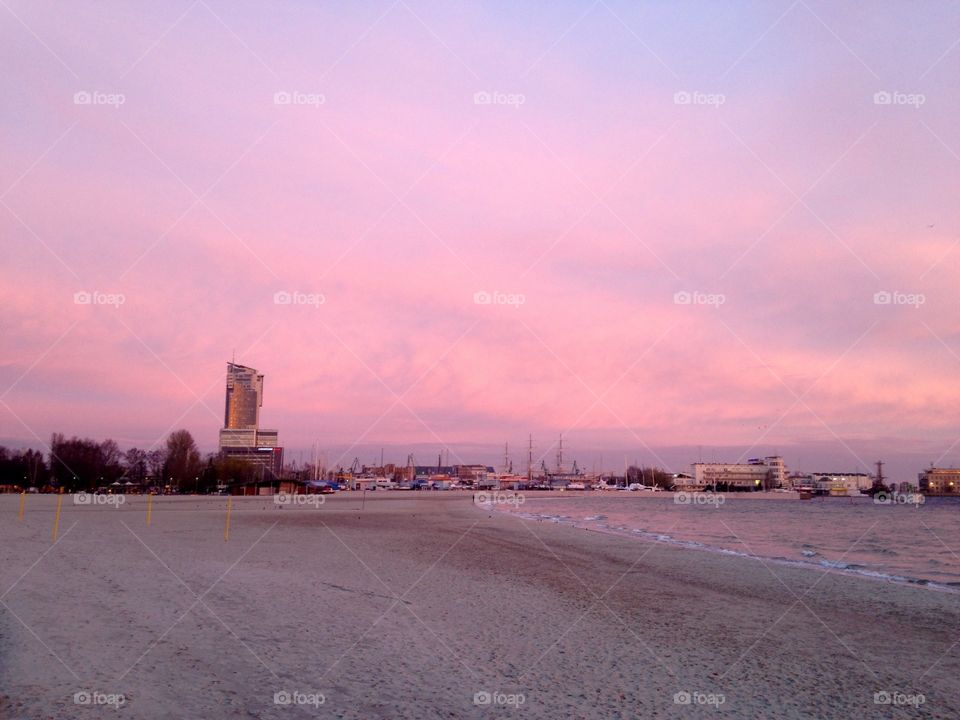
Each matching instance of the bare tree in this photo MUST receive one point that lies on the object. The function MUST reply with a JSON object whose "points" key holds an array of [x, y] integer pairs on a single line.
{"points": [[183, 463], [135, 465], [156, 459]]}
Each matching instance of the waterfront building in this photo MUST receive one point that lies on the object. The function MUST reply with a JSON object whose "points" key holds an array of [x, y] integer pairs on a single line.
{"points": [[841, 483], [755, 474], [940, 481], [778, 470], [799, 480]]}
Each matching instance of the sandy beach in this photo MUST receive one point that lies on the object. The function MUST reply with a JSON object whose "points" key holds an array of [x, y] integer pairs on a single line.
{"points": [[410, 605]]}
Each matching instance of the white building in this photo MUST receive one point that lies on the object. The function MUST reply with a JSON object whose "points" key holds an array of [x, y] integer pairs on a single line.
{"points": [[778, 470], [843, 484], [756, 474]]}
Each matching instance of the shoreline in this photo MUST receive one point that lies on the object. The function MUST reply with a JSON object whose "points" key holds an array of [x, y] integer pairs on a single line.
{"points": [[886, 575], [800, 564]]}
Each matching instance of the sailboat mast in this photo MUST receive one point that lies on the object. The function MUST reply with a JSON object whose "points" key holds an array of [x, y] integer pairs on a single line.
{"points": [[530, 461]]}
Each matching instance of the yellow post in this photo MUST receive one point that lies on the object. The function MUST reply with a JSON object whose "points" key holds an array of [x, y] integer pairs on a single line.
{"points": [[23, 500], [149, 508], [226, 528], [56, 518]]}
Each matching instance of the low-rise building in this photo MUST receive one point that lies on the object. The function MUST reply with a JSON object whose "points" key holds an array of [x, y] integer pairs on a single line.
{"points": [[756, 474], [940, 481], [778, 470], [799, 480], [472, 473], [841, 483]]}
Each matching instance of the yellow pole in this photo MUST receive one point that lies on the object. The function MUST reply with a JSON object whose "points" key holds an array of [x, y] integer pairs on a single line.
{"points": [[56, 518], [23, 499], [226, 528], [149, 508]]}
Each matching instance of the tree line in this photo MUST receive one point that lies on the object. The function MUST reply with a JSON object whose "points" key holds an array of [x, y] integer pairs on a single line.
{"points": [[649, 476], [82, 464]]}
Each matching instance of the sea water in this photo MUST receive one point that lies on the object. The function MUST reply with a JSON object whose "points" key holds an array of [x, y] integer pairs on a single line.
{"points": [[900, 542]]}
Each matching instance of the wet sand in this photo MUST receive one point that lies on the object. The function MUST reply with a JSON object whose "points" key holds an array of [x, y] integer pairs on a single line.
{"points": [[422, 605]]}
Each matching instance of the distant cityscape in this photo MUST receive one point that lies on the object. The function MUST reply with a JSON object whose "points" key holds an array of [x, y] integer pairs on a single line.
{"points": [[250, 461], [242, 438]]}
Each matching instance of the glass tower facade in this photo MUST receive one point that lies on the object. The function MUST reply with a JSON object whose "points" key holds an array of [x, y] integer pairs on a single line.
{"points": [[241, 436], [244, 398]]}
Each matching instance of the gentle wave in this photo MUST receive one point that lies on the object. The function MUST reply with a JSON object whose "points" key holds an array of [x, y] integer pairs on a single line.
{"points": [[592, 523]]}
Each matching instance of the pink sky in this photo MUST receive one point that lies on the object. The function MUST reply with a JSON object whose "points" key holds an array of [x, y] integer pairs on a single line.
{"points": [[596, 199]]}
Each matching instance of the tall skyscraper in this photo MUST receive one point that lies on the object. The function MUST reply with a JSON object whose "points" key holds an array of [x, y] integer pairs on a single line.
{"points": [[244, 398], [241, 436]]}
